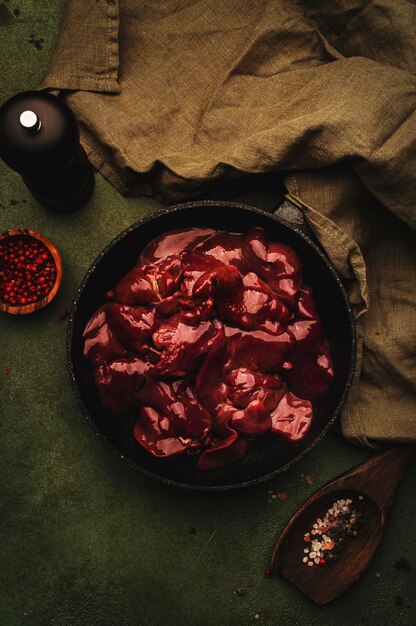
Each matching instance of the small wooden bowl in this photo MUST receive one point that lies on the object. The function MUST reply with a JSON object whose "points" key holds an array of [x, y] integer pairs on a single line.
{"points": [[39, 304]]}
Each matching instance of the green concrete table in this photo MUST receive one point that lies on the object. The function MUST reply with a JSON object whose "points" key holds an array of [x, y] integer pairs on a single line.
{"points": [[85, 541]]}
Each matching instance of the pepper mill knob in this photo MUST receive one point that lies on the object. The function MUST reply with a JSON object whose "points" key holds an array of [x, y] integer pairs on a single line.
{"points": [[30, 122]]}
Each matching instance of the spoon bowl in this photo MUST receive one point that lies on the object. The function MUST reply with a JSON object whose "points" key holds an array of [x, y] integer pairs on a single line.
{"points": [[288, 554]]}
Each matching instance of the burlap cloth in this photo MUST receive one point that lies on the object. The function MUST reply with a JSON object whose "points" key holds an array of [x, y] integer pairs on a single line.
{"points": [[172, 95]]}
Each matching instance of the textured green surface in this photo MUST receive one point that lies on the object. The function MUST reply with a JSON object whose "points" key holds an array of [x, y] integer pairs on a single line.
{"points": [[84, 540]]}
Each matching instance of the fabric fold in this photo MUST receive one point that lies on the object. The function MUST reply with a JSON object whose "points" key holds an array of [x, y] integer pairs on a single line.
{"points": [[86, 57], [375, 254]]}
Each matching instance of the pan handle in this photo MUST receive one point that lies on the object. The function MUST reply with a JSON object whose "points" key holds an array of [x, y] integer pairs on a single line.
{"points": [[290, 212]]}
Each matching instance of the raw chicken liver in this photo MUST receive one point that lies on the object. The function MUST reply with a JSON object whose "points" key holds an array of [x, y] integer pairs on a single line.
{"points": [[211, 339]]}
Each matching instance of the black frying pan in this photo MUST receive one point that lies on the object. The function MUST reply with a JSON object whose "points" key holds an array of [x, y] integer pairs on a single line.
{"points": [[268, 455]]}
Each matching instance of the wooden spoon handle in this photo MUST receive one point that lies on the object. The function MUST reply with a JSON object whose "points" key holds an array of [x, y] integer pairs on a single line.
{"points": [[380, 476]]}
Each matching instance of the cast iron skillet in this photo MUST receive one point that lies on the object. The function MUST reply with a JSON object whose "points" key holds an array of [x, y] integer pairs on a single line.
{"points": [[268, 455]]}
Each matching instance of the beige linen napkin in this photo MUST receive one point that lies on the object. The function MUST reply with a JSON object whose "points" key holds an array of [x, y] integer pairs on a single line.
{"points": [[173, 95]]}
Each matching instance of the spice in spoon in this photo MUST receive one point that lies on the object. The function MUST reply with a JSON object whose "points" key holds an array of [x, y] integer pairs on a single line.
{"points": [[328, 537]]}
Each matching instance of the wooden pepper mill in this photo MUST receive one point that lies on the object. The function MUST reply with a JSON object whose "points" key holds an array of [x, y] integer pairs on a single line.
{"points": [[39, 139]]}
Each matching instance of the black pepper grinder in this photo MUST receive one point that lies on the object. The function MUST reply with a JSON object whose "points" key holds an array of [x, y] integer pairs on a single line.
{"points": [[39, 139]]}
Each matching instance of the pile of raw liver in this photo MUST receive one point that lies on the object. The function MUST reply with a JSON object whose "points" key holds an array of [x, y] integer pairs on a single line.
{"points": [[211, 339]]}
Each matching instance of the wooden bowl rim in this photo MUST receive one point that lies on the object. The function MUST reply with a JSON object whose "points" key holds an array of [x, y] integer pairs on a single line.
{"points": [[39, 304]]}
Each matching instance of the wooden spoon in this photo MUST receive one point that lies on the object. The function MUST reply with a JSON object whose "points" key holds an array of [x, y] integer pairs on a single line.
{"points": [[376, 481]]}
